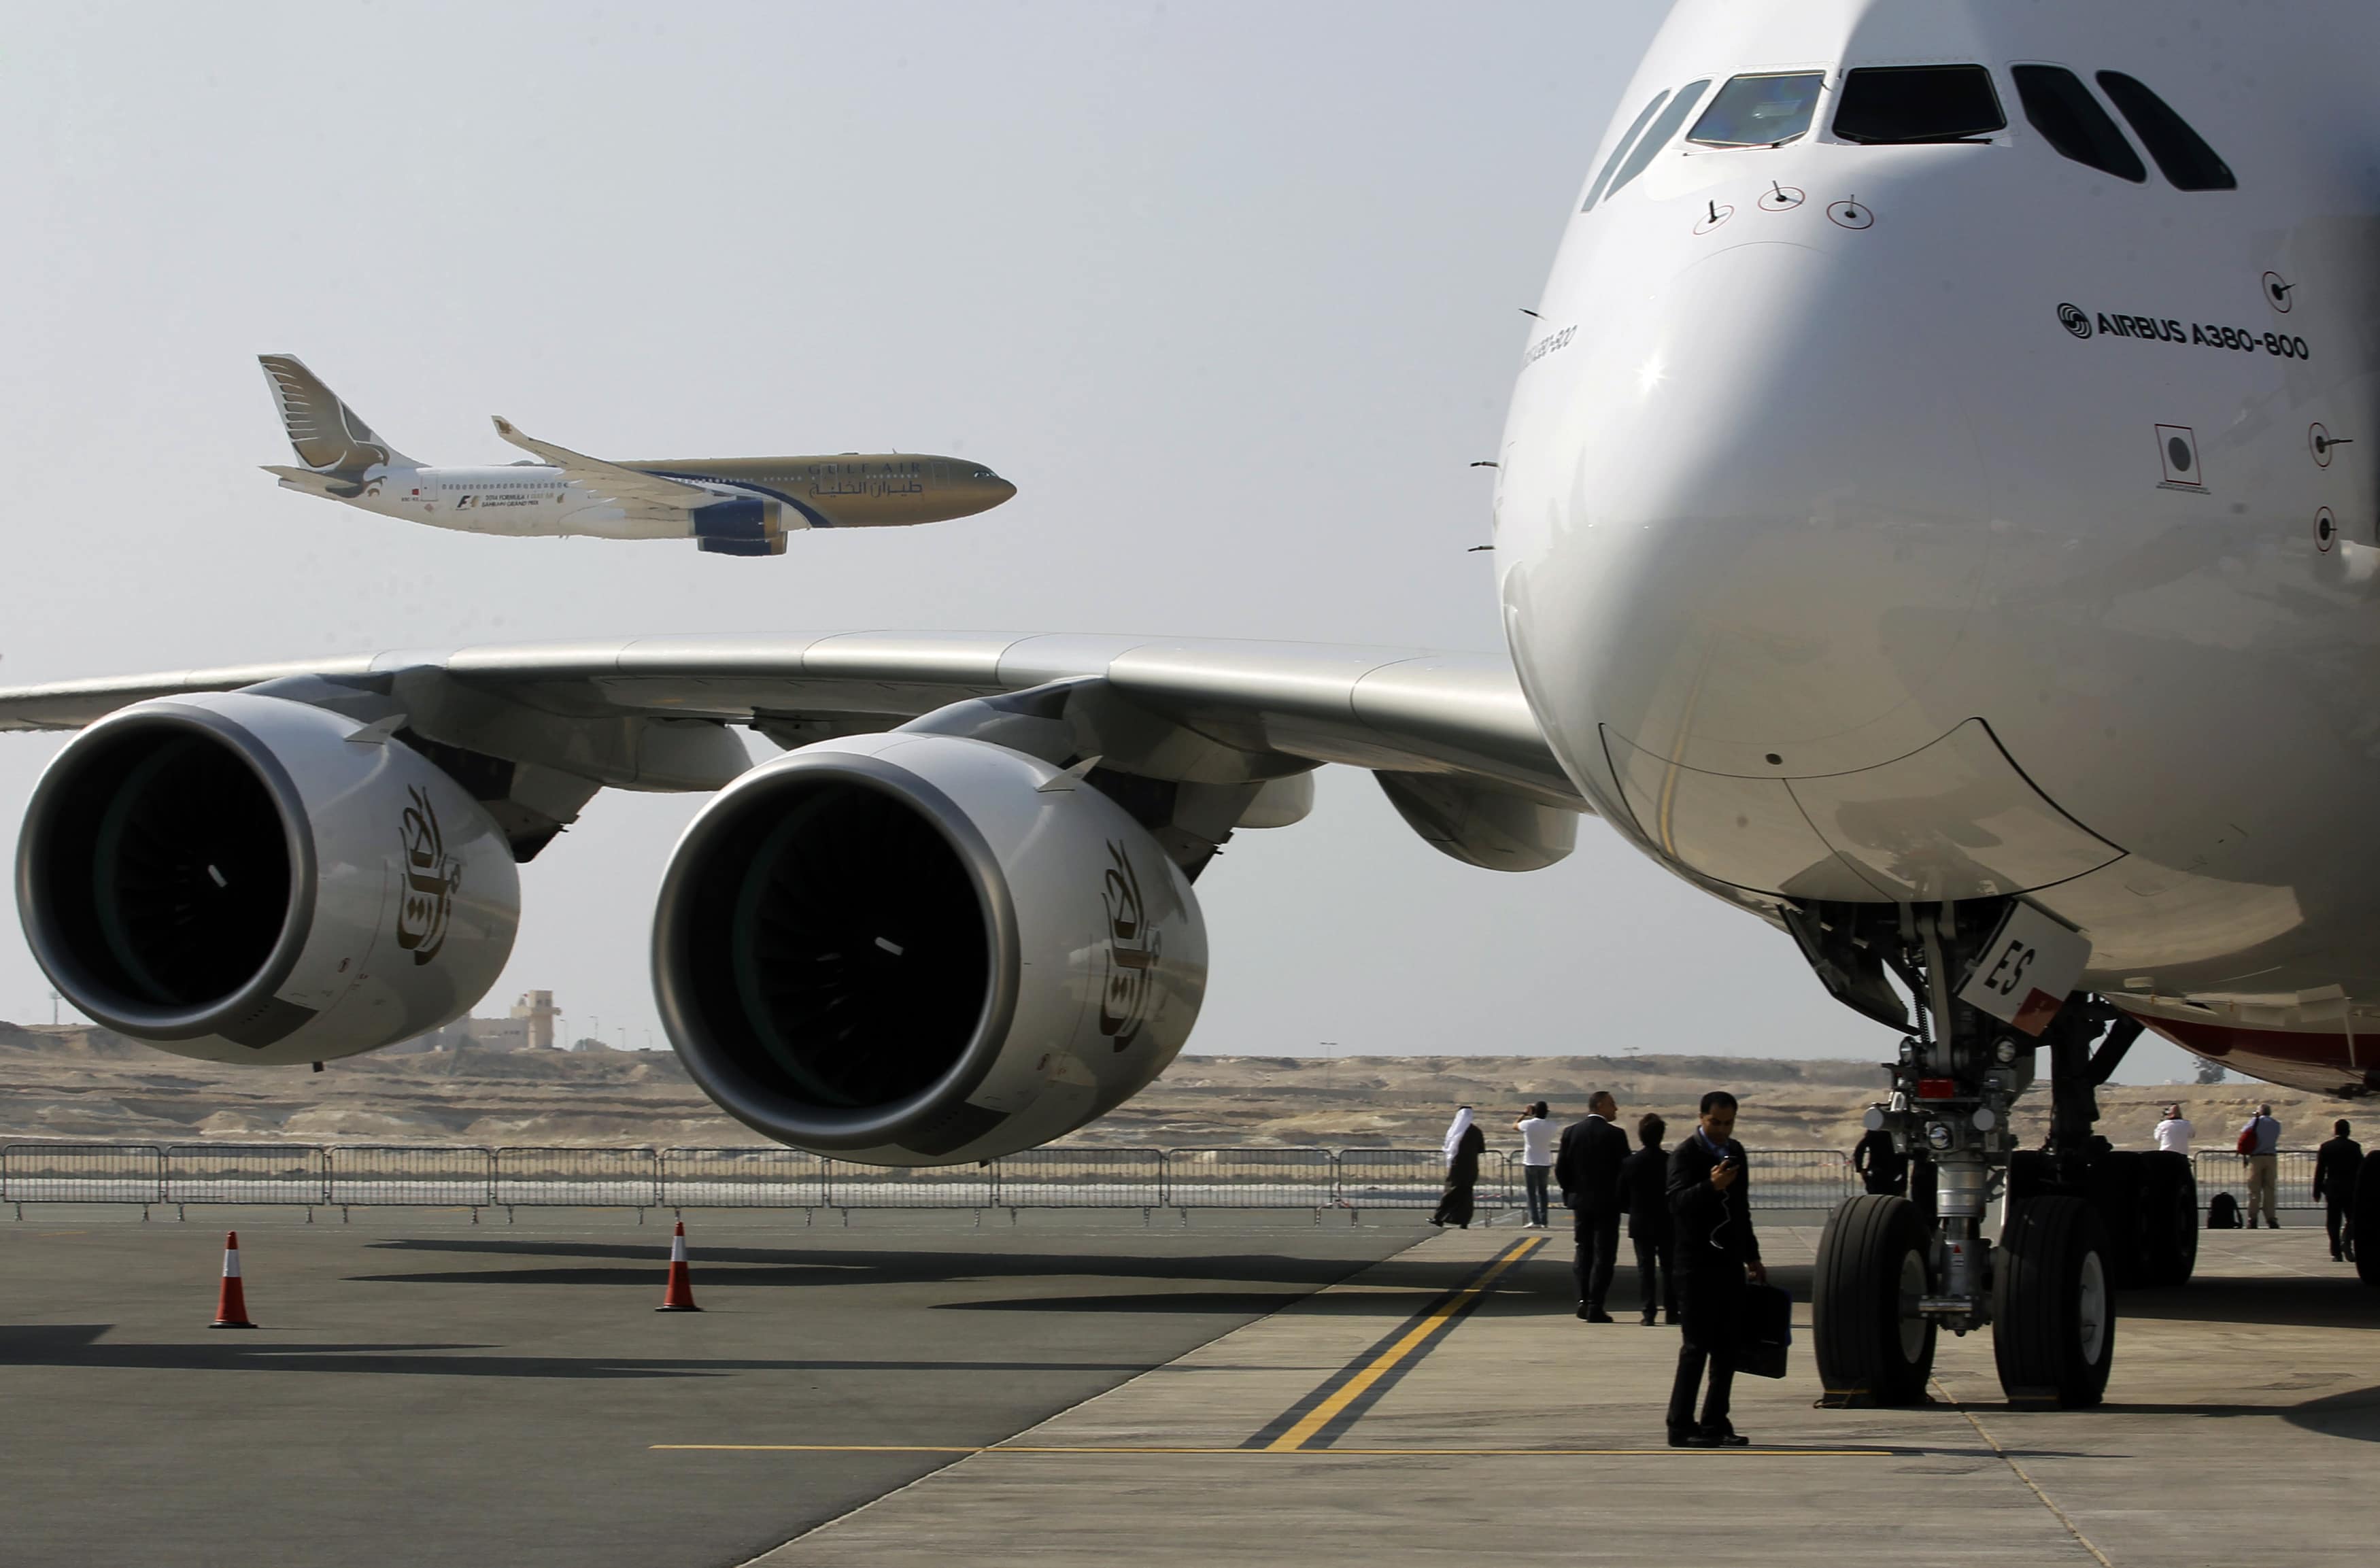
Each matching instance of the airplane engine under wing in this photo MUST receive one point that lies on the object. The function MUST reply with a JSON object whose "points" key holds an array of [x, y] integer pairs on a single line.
{"points": [[919, 949], [242, 878]]}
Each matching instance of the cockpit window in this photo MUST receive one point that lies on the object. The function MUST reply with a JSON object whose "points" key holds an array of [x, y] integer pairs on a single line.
{"points": [[2182, 156], [2070, 121], [1619, 151], [1905, 104], [1663, 130], [1759, 111]]}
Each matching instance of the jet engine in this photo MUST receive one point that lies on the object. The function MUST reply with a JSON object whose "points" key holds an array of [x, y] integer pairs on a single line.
{"points": [[242, 878], [917, 948]]}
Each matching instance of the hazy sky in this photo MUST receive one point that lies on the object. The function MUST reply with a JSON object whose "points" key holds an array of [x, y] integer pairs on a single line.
{"points": [[1231, 291]]}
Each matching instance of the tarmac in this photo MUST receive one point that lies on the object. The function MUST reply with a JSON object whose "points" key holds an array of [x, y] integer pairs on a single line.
{"points": [[1092, 1389]]}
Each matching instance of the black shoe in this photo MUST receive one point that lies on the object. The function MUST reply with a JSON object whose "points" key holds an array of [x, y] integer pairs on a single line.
{"points": [[1583, 1312], [1724, 1437], [1688, 1437], [1646, 1320], [1597, 1314]]}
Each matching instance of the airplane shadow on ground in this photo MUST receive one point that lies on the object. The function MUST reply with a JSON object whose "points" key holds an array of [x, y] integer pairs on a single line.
{"points": [[2354, 1415], [605, 1263], [2344, 1302], [81, 1345]]}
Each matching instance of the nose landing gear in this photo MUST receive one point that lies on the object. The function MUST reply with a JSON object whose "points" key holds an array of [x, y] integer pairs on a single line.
{"points": [[1875, 1343], [2076, 1218]]}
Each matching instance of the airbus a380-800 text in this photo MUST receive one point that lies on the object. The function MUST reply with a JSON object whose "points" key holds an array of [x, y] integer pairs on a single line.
{"points": [[727, 505], [1936, 517]]}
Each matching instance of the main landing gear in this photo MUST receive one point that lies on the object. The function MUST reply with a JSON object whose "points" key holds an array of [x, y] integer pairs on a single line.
{"points": [[2032, 1245]]}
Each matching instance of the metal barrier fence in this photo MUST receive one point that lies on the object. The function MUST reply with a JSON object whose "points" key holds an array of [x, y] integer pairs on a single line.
{"points": [[381, 1175], [1250, 1178], [82, 1173], [581, 1178], [1082, 1178], [363, 1174], [245, 1173], [741, 1178], [1799, 1178], [2222, 1171]]}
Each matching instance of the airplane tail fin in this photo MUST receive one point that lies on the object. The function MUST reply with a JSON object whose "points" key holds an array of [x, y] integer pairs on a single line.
{"points": [[330, 437]]}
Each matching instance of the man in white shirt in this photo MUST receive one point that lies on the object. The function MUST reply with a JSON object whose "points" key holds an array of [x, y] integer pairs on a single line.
{"points": [[1537, 1134], [2260, 1145], [2173, 1133]]}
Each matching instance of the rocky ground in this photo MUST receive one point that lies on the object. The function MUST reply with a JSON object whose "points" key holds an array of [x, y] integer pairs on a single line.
{"points": [[89, 1084]]}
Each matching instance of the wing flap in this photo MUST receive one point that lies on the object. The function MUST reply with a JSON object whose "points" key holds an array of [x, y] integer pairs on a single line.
{"points": [[1181, 705], [648, 497]]}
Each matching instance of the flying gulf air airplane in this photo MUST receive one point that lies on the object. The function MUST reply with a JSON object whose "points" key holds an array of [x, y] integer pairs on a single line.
{"points": [[727, 505], [1935, 517]]}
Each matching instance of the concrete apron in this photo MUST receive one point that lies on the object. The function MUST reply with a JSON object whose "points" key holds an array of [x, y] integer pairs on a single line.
{"points": [[1378, 1422]]}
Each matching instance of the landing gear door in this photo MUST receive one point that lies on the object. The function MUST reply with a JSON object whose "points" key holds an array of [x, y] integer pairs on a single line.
{"points": [[2026, 970]]}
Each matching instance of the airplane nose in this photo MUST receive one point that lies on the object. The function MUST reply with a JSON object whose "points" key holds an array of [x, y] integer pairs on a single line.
{"points": [[1759, 520]]}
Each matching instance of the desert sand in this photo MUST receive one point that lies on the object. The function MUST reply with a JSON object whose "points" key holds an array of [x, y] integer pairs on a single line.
{"points": [[91, 1084]]}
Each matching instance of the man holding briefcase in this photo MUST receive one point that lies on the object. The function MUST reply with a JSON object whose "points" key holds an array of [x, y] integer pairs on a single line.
{"points": [[1711, 1201]]}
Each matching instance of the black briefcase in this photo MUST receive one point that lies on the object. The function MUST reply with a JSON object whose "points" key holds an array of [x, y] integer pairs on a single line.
{"points": [[1764, 1332]]}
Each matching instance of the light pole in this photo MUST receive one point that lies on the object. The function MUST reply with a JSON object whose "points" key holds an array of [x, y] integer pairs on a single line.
{"points": [[1327, 1047], [53, 1010]]}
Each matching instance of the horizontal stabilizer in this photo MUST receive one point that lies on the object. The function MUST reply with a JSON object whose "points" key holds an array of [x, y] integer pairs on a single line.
{"points": [[311, 482]]}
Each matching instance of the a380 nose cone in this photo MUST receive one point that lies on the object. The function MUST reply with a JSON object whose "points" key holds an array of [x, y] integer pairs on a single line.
{"points": [[1754, 523]]}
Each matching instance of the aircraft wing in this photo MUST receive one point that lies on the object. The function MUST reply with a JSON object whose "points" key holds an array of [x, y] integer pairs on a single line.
{"points": [[646, 496], [1449, 734]]}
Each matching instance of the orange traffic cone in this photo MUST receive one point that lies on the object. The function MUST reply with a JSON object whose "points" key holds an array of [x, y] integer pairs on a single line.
{"points": [[231, 1307], [679, 1297]]}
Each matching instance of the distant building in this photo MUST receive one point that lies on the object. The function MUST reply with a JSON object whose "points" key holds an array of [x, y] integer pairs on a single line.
{"points": [[536, 1008], [530, 1028]]}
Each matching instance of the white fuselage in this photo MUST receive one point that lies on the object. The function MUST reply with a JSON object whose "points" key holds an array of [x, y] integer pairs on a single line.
{"points": [[522, 500], [1838, 563]]}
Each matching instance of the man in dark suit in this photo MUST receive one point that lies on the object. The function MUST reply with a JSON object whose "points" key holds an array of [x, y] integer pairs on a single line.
{"points": [[1644, 1187], [1710, 1199], [2335, 1165], [1586, 1168], [1881, 1167]]}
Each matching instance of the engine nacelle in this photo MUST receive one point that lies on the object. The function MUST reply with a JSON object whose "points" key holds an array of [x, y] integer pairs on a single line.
{"points": [[922, 950], [241, 878]]}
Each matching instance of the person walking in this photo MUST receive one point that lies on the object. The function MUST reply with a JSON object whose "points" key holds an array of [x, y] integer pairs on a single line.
{"points": [[2173, 1131], [1464, 1144], [1645, 1188], [1882, 1168], [1710, 1202], [2335, 1167], [1537, 1134], [2260, 1150], [1587, 1168]]}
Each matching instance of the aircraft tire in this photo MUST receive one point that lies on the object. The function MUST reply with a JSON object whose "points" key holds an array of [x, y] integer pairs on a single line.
{"points": [[2122, 1195], [2053, 1306], [1874, 1346], [2365, 1214], [2170, 1205]]}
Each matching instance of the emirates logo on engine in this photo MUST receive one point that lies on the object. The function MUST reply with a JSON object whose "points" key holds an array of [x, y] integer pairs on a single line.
{"points": [[431, 878], [1129, 986]]}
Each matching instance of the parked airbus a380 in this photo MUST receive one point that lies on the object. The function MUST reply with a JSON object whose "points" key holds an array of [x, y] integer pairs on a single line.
{"points": [[727, 505], [1936, 517]]}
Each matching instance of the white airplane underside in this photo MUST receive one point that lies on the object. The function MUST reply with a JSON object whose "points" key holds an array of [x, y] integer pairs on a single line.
{"points": [[1937, 515]]}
